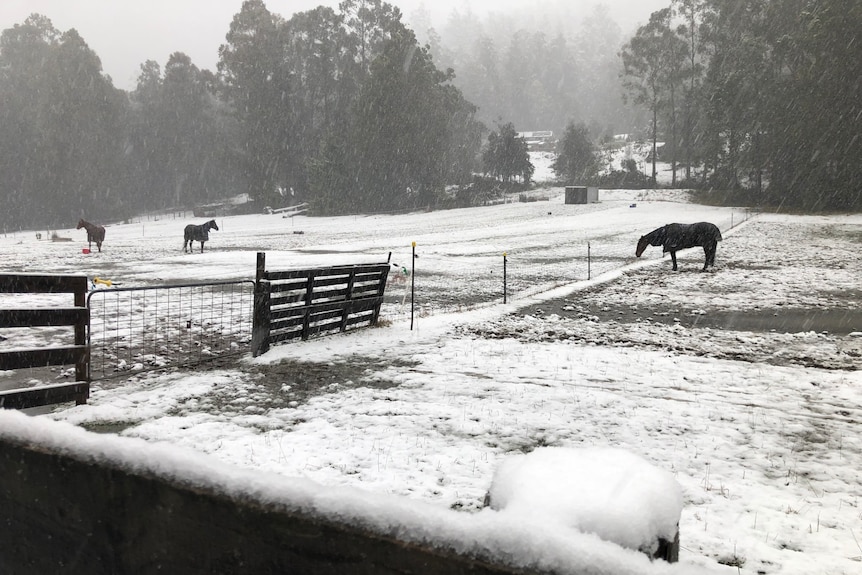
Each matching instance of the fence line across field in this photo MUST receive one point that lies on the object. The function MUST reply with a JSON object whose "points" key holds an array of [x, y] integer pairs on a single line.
{"points": [[136, 329], [477, 280], [35, 356]]}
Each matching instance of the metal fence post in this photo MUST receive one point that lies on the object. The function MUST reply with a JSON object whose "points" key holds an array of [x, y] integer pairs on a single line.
{"points": [[412, 284], [504, 278]]}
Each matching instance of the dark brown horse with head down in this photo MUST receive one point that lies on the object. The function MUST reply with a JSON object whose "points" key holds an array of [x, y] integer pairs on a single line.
{"points": [[95, 233], [199, 233], [674, 237]]}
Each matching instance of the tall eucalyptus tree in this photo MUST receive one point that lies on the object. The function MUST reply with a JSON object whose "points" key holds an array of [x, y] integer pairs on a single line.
{"points": [[409, 134], [258, 86], [647, 76], [690, 14]]}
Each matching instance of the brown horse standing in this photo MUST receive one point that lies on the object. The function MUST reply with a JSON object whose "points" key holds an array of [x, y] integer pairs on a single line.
{"points": [[95, 233]]}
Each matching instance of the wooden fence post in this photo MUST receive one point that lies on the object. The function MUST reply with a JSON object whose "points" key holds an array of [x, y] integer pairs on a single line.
{"points": [[262, 313], [348, 295], [82, 366], [381, 289], [309, 298], [260, 269], [261, 319]]}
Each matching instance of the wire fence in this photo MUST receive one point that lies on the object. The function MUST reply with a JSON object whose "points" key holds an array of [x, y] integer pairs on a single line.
{"points": [[447, 283], [138, 329]]}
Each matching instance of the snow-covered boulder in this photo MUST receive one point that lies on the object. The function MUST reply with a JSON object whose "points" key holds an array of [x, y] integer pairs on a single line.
{"points": [[610, 492]]}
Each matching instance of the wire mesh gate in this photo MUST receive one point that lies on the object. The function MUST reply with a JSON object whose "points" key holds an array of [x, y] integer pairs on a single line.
{"points": [[138, 329]]}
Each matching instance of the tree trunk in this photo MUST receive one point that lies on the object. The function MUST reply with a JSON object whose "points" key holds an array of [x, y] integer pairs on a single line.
{"points": [[654, 136]]}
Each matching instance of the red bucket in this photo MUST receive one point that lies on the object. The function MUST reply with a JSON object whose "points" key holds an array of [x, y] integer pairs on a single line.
{"points": [[85, 251]]}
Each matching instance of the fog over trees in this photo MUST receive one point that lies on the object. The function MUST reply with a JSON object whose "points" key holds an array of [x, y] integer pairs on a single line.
{"points": [[538, 71], [357, 109]]}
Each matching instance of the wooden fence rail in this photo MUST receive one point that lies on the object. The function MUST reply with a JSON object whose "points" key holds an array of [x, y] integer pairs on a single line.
{"points": [[302, 303], [77, 317]]}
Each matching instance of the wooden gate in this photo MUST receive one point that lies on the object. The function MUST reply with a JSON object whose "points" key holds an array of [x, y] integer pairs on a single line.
{"points": [[301, 303], [78, 353]]}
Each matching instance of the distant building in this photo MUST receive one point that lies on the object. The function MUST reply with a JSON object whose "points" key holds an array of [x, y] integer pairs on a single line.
{"points": [[581, 195], [542, 140]]}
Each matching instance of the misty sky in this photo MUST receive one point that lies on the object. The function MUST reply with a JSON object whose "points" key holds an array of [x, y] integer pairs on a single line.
{"points": [[126, 33]]}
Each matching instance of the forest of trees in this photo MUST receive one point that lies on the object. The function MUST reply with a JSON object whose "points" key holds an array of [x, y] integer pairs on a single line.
{"points": [[346, 109], [759, 97], [342, 109]]}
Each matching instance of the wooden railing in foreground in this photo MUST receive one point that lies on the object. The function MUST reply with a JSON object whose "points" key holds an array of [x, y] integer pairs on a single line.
{"points": [[76, 502], [78, 354], [301, 303]]}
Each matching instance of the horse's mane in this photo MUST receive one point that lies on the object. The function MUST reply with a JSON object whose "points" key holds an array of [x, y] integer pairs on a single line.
{"points": [[657, 236]]}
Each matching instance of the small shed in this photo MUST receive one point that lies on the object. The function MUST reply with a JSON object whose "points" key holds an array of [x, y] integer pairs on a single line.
{"points": [[581, 195]]}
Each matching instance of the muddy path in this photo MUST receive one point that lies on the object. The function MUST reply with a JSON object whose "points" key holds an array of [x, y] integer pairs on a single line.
{"points": [[758, 305]]}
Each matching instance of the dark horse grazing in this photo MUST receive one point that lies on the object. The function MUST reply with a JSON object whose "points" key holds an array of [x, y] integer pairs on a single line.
{"points": [[94, 233], [199, 233], [674, 237]]}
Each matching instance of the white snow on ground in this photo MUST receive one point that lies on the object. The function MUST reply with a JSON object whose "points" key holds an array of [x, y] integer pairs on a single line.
{"points": [[759, 428], [542, 171]]}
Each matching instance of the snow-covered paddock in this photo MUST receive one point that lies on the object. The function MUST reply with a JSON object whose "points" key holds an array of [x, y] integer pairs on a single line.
{"points": [[765, 447]]}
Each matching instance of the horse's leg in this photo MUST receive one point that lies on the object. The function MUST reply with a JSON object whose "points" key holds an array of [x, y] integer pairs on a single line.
{"points": [[709, 253], [673, 259]]}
